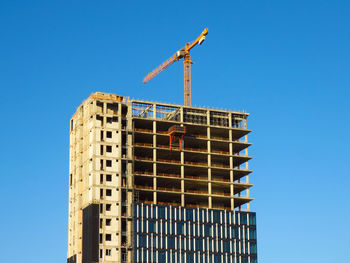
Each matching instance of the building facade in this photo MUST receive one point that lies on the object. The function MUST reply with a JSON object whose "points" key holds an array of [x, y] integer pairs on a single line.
{"points": [[155, 182]]}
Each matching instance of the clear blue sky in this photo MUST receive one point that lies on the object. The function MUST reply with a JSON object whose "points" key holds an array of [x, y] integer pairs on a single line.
{"points": [[285, 62]]}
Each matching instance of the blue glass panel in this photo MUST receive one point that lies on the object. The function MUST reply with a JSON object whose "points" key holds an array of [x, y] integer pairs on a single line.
{"points": [[216, 216], [189, 214], [161, 212], [252, 248], [243, 219], [252, 233], [252, 219]]}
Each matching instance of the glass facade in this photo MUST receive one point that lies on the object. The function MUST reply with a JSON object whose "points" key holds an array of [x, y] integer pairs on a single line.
{"points": [[184, 234]]}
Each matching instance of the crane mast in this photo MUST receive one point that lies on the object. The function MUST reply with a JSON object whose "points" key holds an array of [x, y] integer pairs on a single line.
{"points": [[187, 79], [185, 54]]}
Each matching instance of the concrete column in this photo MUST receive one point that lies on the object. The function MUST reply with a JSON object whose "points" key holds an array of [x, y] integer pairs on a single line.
{"points": [[130, 182], [182, 159], [182, 178], [154, 111], [247, 177], [154, 161], [210, 205], [232, 190], [181, 114]]}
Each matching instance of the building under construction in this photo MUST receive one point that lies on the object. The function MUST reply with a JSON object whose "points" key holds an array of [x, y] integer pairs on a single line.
{"points": [[156, 182]]}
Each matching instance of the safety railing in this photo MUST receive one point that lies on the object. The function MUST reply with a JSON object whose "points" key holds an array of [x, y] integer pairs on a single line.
{"points": [[169, 189], [169, 175], [196, 191]]}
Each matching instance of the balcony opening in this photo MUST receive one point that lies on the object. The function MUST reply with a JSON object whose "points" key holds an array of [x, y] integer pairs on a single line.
{"points": [[112, 108]]}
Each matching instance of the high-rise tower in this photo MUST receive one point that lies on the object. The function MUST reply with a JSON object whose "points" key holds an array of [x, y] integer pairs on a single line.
{"points": [[155, 182]]}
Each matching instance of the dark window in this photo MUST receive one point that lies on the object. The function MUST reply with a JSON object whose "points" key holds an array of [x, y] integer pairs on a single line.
{"points": [[108, 222], [108, 237], [108, 177], [109, 134], [108, 148], [109, 163], [101, 192], [108, 207], [108, 192], [101, 178]]}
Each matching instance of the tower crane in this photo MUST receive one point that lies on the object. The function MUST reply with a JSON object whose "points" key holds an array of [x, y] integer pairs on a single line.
{"points": [[185, 54]]}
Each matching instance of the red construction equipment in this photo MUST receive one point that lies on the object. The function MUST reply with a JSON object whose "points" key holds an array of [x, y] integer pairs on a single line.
{"points": [[176, 133]]}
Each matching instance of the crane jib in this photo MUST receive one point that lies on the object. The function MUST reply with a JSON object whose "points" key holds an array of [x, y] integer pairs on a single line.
{"points": [[182, 53]]}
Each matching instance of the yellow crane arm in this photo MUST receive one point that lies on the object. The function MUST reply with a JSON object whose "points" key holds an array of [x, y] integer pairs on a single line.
{"points": [[177, 56], [161, 67], [185, 54], [199, 40]]}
